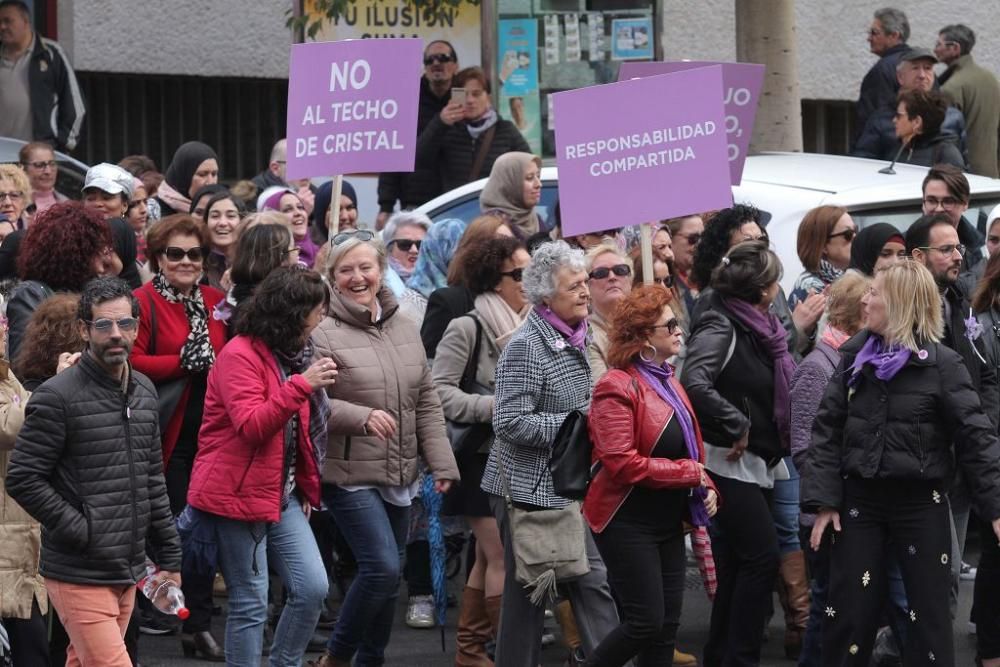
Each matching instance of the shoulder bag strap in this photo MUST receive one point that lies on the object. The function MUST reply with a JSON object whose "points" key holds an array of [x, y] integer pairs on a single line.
{"points": [[484, 148], [152, 325], [472, 364]]}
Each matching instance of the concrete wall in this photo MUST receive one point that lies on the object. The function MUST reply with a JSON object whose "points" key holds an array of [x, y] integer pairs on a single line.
{"points": [[833, 51]]}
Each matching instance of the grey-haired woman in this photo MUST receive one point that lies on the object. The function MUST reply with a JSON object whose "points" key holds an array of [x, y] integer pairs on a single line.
{"points": [[542, 375]]}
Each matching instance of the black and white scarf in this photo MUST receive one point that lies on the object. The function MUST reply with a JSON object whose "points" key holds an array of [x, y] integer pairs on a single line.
{"points": [[197, 355]]}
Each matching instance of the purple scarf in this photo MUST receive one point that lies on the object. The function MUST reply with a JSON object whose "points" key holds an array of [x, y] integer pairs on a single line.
{"points": [[577, 337], [658, 377], [887, 360], [770, 333]]}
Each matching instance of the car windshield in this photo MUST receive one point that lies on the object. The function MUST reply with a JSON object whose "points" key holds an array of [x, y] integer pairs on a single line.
{"points": [[902, 217]]}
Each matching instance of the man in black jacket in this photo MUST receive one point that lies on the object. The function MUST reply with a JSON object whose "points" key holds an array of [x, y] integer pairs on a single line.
{"points": [[887, 39], [422, 184], [87, 465], [39, 96], [933, 241]]}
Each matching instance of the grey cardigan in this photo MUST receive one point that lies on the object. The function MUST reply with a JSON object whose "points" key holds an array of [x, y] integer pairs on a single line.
{"points": [[454, 349], [540, 379]]}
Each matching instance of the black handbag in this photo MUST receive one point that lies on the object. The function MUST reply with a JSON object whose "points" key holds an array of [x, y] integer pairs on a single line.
{"points": [[168, 393], [569, 463], [468, 438]]}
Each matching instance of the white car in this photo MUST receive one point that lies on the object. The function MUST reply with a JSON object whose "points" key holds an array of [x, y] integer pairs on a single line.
{"points": [[785, 186]]}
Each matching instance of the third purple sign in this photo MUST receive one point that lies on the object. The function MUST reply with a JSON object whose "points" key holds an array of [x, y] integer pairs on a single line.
{"points": [[741, 83]]}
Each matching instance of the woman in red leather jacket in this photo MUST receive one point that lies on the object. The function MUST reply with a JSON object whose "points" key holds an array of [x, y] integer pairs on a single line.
{"points": [[651, 479]]}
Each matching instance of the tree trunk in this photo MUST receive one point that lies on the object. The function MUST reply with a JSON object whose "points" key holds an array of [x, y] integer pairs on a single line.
{"points": [[765, 33]]}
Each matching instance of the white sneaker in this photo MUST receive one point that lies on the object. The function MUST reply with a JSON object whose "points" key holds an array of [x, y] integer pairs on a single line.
{"points": [[420, 611], [968, 572]]}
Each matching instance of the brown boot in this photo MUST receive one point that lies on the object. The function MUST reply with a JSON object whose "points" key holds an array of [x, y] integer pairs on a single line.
{"points": [[570, 633], [682, 659], [473, 630], [493, 606], [793, 591]]}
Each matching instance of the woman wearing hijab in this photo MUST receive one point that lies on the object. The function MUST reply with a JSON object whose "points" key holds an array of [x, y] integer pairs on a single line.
{"points": [[876, 247], [194, 166], [431, 270], [347, 216], [514, 189]]}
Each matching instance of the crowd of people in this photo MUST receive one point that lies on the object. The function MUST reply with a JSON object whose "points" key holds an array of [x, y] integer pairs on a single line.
{"points": [[252, 389]]}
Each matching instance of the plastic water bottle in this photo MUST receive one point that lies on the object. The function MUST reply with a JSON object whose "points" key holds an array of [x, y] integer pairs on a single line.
{"points": [[167, 596]]}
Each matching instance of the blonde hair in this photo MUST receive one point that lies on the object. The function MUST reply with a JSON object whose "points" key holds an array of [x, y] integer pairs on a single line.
{"points": [[843, 306], [606, 247], [912, 305], [262, 218], [17, 176], [337, 252]]}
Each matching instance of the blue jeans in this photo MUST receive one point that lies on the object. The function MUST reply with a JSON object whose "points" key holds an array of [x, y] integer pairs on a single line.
{"points": [[376, 533], [290, 548], [785, 510]]}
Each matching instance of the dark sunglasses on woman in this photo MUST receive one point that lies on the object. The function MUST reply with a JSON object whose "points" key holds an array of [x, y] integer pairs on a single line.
{"points": [[175, 254], [620, 270], [405, 244], [516, 274]]}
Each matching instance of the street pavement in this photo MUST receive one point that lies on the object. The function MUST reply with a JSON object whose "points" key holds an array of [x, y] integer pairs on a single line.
{"points": [[422, 648]]}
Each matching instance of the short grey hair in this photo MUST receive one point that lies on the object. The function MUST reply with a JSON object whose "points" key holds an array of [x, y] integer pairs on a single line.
{"points": [[894, 22], [404, 219], [961, 35], [337, 253], [548, 258]]}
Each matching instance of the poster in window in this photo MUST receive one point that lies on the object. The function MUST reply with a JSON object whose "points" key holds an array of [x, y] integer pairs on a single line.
{"points": [[632, 39], [518, 98]]}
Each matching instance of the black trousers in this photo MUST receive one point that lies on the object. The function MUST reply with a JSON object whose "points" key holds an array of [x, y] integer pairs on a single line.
{"points": [[646, 566], [745, 546], [915, 516], [29, 638], [986, 595]]}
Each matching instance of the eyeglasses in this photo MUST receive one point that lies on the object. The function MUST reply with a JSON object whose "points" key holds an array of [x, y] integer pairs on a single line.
{"points": [[516, 275], [947, 203], [295, 250], [405, 244], [947, 249], [875, 32], [620, 270], [762, 237], [13, 196], [437, 58], [848, 235], [50, 164], [692, 239], [104, 324], [667, 281], [359, 234], [175, 254], [671, 325]]}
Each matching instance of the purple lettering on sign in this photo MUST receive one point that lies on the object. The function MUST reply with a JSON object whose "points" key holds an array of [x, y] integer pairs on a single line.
{"points": [[641, 150], [742, 83], [352, 106]]}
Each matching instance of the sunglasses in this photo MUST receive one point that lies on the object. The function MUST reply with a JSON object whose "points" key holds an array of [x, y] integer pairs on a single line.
{"points": [[620, 270], [405, 244], [175, 254], [51, 164], [516, 275], [693, 239], [848, 235], [666, 282], [671, 325], [437, 58], [359, 234], [104, 324]]}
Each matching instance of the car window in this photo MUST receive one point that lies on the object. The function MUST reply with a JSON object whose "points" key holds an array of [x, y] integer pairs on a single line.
{"points": [[69, 182], [902, 217], [467, 208]]}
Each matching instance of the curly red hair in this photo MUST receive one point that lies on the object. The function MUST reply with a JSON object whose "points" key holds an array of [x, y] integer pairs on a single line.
{"points": [[632, 323], [60, 246]]}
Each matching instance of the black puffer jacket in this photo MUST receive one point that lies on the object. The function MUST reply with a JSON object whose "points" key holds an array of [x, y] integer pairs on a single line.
{"points": [[452, 150], [731, 396], [87, 465], [902, 429]]}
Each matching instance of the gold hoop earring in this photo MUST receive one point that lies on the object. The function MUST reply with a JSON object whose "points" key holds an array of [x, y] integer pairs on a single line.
{"points": [[653, 357]]}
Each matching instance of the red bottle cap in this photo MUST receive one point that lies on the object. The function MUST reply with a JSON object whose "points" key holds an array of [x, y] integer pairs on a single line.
{"points": [[183, 613]]}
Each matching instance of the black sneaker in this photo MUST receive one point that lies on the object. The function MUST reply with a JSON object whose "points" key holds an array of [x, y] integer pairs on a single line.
{"points": [[153, 623]]}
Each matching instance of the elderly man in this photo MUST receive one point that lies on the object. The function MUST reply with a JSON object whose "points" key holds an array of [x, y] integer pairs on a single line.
{"points": [[915, 71], [274, 175], [887, 39], [423, 184], [39, 96], [975, 91]]}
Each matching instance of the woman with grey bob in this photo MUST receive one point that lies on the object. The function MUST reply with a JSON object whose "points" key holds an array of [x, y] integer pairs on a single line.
{"points": [[543, 375]]}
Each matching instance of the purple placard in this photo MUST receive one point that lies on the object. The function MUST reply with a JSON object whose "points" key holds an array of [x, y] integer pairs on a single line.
{"points": [[352, 106], [642, 150], [742, 83]]}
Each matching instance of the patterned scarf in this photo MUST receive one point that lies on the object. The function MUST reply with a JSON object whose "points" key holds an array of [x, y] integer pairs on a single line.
{"points": [[319, 407], [197, 355], [828, 272]]}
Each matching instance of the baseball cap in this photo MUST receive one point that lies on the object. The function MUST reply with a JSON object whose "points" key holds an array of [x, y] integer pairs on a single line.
{"points": [[109, 178], [919, 53]]}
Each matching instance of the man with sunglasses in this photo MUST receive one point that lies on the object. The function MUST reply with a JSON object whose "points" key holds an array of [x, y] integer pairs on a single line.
{"points": [[421, 185], [88, 466]]}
